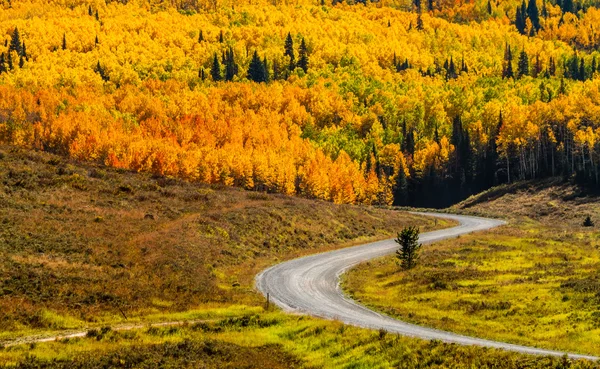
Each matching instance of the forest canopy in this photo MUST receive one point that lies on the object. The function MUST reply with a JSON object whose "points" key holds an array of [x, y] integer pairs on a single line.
{"points": [[376, 103]]}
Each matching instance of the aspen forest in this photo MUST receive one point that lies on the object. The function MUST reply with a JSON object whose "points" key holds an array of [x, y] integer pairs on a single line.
{"points": [[418, 103]]}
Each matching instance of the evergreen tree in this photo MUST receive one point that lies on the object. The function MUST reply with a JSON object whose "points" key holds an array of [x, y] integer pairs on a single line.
{"points": [[507, 68], [96, 41], [21, 61], [3, 64], [64, 41], [464, 68], [534, 14], [200, 37], [489, 7], [289, 51], [202, 74], [98, 69], [552, 67], [581, 74], [520, 21], [568, 6], [221, 37], [562, 90], [572, 67], [594, 67], [544, 10], [303, 57], [215, 69], [9, 61], [523, 64], [420, 25], [451, 74], [24, 51], [401, 186], [256, 70], [97, 16], [410, 142], [537, 69], [90, 11], [408, 253], [15, 42], [231, 68]]}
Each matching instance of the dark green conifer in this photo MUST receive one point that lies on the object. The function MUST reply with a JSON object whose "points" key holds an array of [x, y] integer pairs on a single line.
{"points": [[231, 68], [534, 14], [289, 51], [64, 41], [9, 61], [303, 57], [215, 69], [256, 70], [552, 67], [581, 75], [15, 42], [200, 36], [523, 64], [3, 64]]}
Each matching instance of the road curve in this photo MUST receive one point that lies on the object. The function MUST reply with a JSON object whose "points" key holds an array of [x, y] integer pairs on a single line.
{"points": [[310, 285]]}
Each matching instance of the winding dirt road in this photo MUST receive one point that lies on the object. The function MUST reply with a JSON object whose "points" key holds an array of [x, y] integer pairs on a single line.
{"points": [[310, 285]]}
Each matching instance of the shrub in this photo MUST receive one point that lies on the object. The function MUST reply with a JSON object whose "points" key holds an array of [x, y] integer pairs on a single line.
{"points": [[588, 222]]}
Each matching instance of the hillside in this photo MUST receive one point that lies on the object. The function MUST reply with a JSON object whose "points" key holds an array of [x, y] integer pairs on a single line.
{"points": [[83, 244], [348, 103], [551, 201]]}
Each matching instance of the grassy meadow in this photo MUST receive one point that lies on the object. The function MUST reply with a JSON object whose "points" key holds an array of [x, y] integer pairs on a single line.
{"points": [[534, 282], [260, 339], [83, 245]]}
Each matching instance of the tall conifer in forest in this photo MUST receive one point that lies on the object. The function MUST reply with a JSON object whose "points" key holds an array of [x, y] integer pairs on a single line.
{"points": [[2, 64], [507, 68], [231, 68], [523, 64], [215, 69], [289, 51], [520, 21], [303, 56], [15, 42], [534, 14], [256, 70]]}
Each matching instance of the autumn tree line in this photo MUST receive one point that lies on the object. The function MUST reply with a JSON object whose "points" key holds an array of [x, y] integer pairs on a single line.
{"points": [[387, 107]]}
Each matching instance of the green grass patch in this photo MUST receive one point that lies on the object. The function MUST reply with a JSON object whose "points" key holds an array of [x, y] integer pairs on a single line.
{"points": [[531, 284]]}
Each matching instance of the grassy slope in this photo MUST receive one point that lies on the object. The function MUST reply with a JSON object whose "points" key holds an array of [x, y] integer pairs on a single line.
{"points": [[81, 244], [267, 340], [73, 236], [534, 282]]}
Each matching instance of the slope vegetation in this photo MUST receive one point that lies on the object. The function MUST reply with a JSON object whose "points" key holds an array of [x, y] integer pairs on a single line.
{"points": [[534, 282], [83, 244]]}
